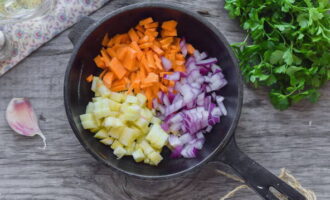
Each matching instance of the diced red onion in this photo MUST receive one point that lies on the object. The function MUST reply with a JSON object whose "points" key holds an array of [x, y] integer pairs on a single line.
{"points": [[166, 101], [173, 77], [183, 47], [166, 63], [189, 151], [174, 141], [176, 152], [185, 138], [209, 61], [196, 107], [223, 109]]}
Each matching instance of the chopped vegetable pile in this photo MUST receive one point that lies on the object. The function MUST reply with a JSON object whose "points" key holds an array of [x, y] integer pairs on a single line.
{"points": [[290, 52], [155, 90], [133, 61]]}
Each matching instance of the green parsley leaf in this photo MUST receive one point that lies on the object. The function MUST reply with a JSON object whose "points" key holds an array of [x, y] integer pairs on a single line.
{"points": [[290, 49]]}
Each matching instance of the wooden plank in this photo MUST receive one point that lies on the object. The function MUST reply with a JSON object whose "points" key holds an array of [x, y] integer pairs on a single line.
{"points": [[66, 171]]}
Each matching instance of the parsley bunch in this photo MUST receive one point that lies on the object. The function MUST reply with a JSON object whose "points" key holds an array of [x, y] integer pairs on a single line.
{"points": [[290, 52]]}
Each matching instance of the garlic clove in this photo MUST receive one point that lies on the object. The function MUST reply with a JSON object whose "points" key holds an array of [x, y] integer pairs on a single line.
{"points": [[22, 118]]}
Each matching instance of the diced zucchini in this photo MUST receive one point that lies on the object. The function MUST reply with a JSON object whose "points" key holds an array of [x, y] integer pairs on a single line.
{"points": [[138, 155], [101, 108], [119, 152], [145, 146], [155, 158], [112, 122], [141, 99], [156, 120], [116, 144], [157, 136], [131, 113], [141, 123], [103, 91], [95, 82], [114, 106], [88, 121], [107, 141], [131, 99], [118, 97], [101, 134], [116, 132], [94, 130], [128, 136], [130, 149], [147, 161], [90, 107], [146, 114]]}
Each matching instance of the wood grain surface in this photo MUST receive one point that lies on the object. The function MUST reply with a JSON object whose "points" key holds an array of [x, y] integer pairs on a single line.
{"points": [[297, 139]]}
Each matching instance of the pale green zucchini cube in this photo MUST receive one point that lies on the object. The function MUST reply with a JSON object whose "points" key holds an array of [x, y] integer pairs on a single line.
{"points": [[138, 155], [107, 141], [88, 121], [119, 152], [131, 99], [155, 158], [101, 134], [157, 136], [112, 122], [141, 99], [116, 132], [128, 136]]}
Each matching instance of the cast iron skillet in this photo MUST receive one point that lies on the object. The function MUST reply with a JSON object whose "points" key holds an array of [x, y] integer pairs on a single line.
{"points": [[220, 143]]}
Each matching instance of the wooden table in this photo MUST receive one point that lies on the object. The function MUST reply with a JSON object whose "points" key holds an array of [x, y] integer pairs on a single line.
{"points": [[297, 139]]}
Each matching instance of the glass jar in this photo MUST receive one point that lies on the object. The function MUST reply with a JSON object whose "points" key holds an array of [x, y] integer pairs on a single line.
{"points": [[12, 11]]}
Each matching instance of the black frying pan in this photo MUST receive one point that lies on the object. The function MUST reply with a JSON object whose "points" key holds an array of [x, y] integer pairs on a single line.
{"points": [[220, 143]]}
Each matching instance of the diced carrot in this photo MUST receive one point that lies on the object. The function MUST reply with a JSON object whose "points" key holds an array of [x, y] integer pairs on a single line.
{"points": [[169, 33], [190, 49], [163, 88], [146, 45], [133, 35], [158, 50], [179, 62], [150, 60], [169, 25], [140, 34], [99, 62], [179, 68], [105, 40], [152, 78], [151, 25], [139, 28], [117, 68], [158, 62], [105, 58], [144, 39], [166, 41], [151, 33], [171, 83], [148, 20], [121, 53], [89, 78], [119, 88], [103, 73], [107, 79], [111, 52]]}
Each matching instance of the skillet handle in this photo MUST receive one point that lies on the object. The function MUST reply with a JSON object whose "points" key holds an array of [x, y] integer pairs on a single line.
{"points": [[256, 176], [80, 28]]}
